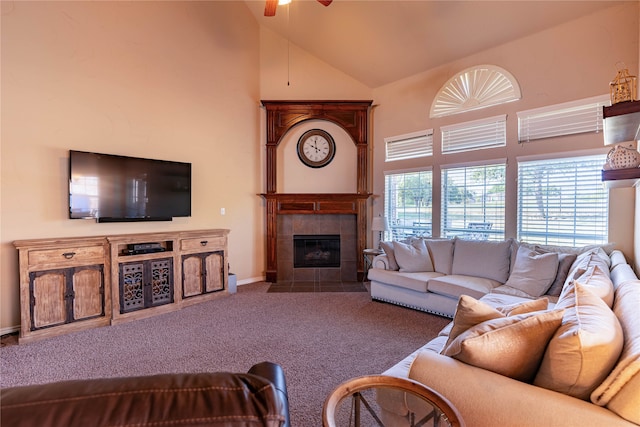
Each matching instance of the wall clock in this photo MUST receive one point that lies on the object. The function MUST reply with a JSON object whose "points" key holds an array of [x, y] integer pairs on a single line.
{"points": [[316, 148]]}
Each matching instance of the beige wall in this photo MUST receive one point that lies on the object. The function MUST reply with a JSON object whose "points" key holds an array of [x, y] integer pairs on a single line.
{"points": [[167, 80], [573, 61], [290, 73]]}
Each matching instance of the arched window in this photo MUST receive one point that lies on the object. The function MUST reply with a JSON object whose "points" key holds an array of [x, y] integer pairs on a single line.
{"points": [[477, 87]]}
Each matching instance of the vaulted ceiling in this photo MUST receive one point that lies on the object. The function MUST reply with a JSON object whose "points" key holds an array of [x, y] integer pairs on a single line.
{"points": [[378, 42]]}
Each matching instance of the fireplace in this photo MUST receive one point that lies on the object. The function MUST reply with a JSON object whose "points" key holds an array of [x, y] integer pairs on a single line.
{"points": [[316, 251], [330, 236]]}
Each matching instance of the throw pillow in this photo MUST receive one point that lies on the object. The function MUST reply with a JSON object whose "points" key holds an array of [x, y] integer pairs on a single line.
{"points": [[511, 346], [565, 261], [470, 311], [598, 282], [533, 273], [387, 247], [413, 257], [524, 307], [482, 258], [585, 347], [441, 251]]}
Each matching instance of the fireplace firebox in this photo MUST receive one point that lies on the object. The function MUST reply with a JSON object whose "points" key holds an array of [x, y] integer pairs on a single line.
{"points": [[316, 251]]}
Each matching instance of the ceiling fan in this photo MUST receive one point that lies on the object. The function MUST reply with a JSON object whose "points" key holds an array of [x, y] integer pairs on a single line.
{"points": [[271, 5]]}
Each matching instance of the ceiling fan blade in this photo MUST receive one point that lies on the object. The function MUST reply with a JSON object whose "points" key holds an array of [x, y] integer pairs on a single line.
{"points": [[325, 2], [270, 7]]}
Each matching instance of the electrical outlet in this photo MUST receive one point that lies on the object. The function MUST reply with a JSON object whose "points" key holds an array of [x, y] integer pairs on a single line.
{"points": [[223, 211]]}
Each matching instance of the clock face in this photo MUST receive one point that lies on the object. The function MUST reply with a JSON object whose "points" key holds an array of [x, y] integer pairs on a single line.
{"points": [[316, 148]]}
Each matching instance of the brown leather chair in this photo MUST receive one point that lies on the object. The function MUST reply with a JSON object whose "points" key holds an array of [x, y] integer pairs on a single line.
{"points": [[223, 399]]}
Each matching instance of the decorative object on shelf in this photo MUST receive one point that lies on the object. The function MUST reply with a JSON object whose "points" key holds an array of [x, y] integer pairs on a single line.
{"points": [[623, 87], [623, 156], [379, 224], [316, 148]]}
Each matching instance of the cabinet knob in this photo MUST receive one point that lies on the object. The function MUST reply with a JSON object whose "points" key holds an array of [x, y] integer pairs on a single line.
{"points": [[68, 255], [204, 242]]}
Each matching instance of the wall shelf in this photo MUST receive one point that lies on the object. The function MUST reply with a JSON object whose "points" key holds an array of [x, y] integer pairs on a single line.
{"points": [[621, 123], [621, 177]]}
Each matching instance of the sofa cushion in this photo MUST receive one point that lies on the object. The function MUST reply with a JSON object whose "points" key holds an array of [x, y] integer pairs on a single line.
{"points": [[620, 390], [533, 272], [585, 348], [455, 285], [508, 290], [598, 282], [586, 260], [565, 261], [482, 258], [510, 346], [413, 257], [441, 251], [387, 247], [414, 281]]}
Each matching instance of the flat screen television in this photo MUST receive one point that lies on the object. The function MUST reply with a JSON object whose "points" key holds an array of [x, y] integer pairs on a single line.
{"points": [[111, 188]]}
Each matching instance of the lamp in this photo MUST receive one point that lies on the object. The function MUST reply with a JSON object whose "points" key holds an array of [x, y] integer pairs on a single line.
{"points": [[379, 224]]}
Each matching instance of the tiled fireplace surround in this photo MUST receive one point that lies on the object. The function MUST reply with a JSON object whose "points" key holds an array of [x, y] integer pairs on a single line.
{"points": [[343, 225]]}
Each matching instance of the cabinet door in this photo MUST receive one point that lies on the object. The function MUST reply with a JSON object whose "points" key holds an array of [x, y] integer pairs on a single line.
{"points": [[202, 273], [66, 295], [192, 275], [214, 265], [161, 281], [48, 298], [145, 284], [88, 291], [131, 286]]}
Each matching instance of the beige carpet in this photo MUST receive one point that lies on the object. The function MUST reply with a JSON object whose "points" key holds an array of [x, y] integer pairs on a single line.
{"points": [[320, 338]]}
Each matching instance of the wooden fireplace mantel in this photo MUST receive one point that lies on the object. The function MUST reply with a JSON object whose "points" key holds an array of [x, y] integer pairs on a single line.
{"points": [[281, 116]]}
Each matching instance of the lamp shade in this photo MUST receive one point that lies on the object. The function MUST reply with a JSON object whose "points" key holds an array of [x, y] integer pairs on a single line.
{"points": [[379, 223]]}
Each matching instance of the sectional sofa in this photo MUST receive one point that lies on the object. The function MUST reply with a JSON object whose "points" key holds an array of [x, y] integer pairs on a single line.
{"points": [[540, 336]]}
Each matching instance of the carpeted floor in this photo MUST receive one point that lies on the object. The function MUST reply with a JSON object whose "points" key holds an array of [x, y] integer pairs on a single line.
{"points": [[320, 338], [317, 287]]}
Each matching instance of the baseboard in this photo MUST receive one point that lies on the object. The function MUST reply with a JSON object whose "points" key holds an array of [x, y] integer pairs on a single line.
{"points": [[9, 330], [251, 280]]}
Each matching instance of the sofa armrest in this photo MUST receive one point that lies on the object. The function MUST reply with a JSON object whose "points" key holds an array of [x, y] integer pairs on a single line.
{"points": [[380, 261], [484, 398], [219, 398]]}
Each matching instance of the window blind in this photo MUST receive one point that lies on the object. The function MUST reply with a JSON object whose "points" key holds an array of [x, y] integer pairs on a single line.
{"points": [[409, 146], [562, 201], [474, 135], [582, 116], [473, 205], [408, 204]]}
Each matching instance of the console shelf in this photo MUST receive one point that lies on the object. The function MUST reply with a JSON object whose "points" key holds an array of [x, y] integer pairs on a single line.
{"points": [[72, 284]]}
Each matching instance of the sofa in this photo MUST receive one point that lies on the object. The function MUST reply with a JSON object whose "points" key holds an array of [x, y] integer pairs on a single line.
{"points": [[257, 398], [528, 345]]}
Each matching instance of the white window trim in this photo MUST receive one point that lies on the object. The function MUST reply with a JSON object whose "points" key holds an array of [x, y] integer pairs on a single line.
{"points": [[408, 170], [492, 162]]}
